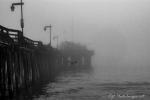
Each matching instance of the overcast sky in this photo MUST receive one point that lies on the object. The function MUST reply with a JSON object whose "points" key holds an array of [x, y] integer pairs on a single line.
{"points": [[118, 30]]}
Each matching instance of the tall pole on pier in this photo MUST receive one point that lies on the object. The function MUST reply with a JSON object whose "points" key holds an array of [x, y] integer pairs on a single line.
{"points": [[50, 27], [22, 21], [21, 6]]}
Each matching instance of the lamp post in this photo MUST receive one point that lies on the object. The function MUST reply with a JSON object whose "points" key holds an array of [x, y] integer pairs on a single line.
{"points": [[50, 27], [13, 8]]}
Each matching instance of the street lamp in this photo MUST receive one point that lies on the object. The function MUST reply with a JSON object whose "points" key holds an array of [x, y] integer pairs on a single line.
{"points": [[13, 8], [50, 27]]}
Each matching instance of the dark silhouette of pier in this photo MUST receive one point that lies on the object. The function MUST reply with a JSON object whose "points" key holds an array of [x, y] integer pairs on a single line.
{"points": [[23, 61]]}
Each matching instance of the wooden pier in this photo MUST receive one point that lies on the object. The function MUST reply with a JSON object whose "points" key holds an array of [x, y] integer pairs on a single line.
{"points": [[23, 61]]}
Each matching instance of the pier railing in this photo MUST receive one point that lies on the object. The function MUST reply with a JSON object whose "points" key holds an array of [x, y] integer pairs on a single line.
{"points": [[12, 36]]}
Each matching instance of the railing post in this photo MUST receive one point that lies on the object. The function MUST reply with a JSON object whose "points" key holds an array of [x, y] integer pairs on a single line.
{"points": [[20, 38]]}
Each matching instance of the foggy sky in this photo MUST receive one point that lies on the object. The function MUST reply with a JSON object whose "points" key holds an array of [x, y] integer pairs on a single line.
{"points": [[118, 30]]}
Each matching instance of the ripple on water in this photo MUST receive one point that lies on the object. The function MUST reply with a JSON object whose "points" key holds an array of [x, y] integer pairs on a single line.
{"points": [[82, 87]]}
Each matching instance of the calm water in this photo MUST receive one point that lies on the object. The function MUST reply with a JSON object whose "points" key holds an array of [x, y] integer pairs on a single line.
{"points": [[84, 86]]}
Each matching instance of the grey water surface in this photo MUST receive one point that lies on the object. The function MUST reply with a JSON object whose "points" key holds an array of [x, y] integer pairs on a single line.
{"points": [[84, 86]]}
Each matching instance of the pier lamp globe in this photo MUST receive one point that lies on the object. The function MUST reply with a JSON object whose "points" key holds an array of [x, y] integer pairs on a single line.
{"points": [[45, 28], [12, 7]]}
